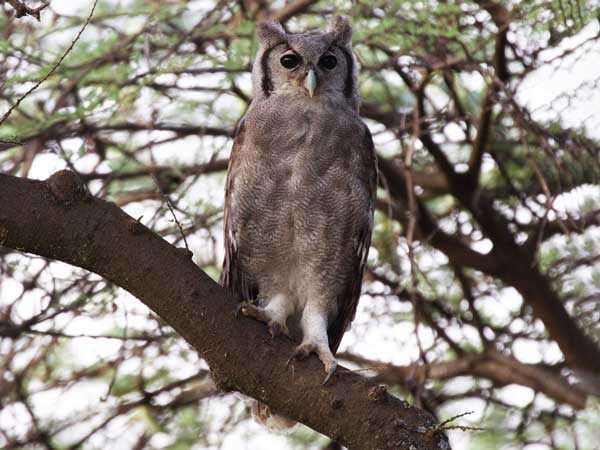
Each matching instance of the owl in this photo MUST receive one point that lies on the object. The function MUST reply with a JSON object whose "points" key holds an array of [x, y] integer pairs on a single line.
{"points": [[300, 190]]}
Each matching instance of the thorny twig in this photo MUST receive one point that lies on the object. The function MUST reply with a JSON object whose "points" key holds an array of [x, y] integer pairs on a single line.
{"points": [[52, 70], [170, 206]]}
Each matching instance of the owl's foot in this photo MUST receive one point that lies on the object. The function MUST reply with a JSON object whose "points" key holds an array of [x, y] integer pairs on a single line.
{"points": [[322, 351], [276, 328]]}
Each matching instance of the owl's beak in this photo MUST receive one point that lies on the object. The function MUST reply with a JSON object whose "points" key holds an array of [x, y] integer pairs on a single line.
{"points": [[310, 82]]}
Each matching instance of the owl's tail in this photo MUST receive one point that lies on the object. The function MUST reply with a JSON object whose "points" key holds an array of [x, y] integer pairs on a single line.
{"points": [[264, 415]]}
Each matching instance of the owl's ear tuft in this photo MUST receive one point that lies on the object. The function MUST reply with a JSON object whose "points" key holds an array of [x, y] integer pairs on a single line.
{"points": [[341, 29], [270, 33]]}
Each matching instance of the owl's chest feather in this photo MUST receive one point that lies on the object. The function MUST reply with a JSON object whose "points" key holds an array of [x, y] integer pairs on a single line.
{"points": [[298, 175], [301, 138]]}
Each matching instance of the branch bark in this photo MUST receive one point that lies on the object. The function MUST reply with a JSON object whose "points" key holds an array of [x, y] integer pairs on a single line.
{"points": [[58, 220]]}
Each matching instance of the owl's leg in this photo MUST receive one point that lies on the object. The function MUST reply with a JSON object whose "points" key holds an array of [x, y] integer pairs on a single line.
{"points": [[274, 314], [315, 339]]}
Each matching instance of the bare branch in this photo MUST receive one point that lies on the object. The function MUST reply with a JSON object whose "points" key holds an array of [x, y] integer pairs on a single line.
{"points": [[490, 364], [21, 9]]}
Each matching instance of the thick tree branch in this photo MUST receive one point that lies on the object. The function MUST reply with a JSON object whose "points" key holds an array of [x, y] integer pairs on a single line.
{"points": [[513, 264], [428, 230], [500, 16], [58, 220], [481, 141]]}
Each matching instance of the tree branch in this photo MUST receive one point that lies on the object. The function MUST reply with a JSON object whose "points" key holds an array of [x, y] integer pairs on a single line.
{"points": [[62, 130], [428, 230], [490, 364], [563, 226], [217, 165], [21, 9], [513, 264], [500, 16], [60, 221]]}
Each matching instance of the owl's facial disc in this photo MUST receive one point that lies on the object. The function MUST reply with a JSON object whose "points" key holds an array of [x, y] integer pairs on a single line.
{"points": [[310, 82]]}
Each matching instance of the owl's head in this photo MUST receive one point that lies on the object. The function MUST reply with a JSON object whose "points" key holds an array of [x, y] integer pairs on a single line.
{"points": [[317, 64]]}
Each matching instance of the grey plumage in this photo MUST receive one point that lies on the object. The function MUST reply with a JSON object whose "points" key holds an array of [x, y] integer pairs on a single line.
{"points": [[300, 190]]}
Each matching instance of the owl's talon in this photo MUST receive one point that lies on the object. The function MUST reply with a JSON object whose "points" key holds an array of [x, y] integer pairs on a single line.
{"points": [[240, 308], [324, 354], [249, 310], [236, 310], [330, 372], [277, 329], [299, 353]]}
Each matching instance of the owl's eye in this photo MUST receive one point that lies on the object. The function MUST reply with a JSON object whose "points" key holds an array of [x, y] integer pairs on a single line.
{"points": [[290, 60], [328, 62]]}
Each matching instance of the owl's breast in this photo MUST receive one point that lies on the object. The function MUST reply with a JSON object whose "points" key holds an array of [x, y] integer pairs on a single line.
{"points": [[304, 151], [299, 191]]}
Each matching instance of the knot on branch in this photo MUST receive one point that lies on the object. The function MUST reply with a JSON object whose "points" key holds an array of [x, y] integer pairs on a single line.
{"points": [[135, 227], [185, 252], [66, 187], [378, 393], [337, 403]]}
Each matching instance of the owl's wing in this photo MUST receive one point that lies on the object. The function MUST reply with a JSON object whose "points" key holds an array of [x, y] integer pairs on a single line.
{"points": [[232, 276], [348, 301]]}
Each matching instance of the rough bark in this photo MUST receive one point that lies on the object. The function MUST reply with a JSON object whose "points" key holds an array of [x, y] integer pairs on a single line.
{"points": [[57, 219]]}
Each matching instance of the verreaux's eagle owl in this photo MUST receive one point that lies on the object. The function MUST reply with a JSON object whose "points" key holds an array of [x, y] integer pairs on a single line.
{"points": [[300, 190]]}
